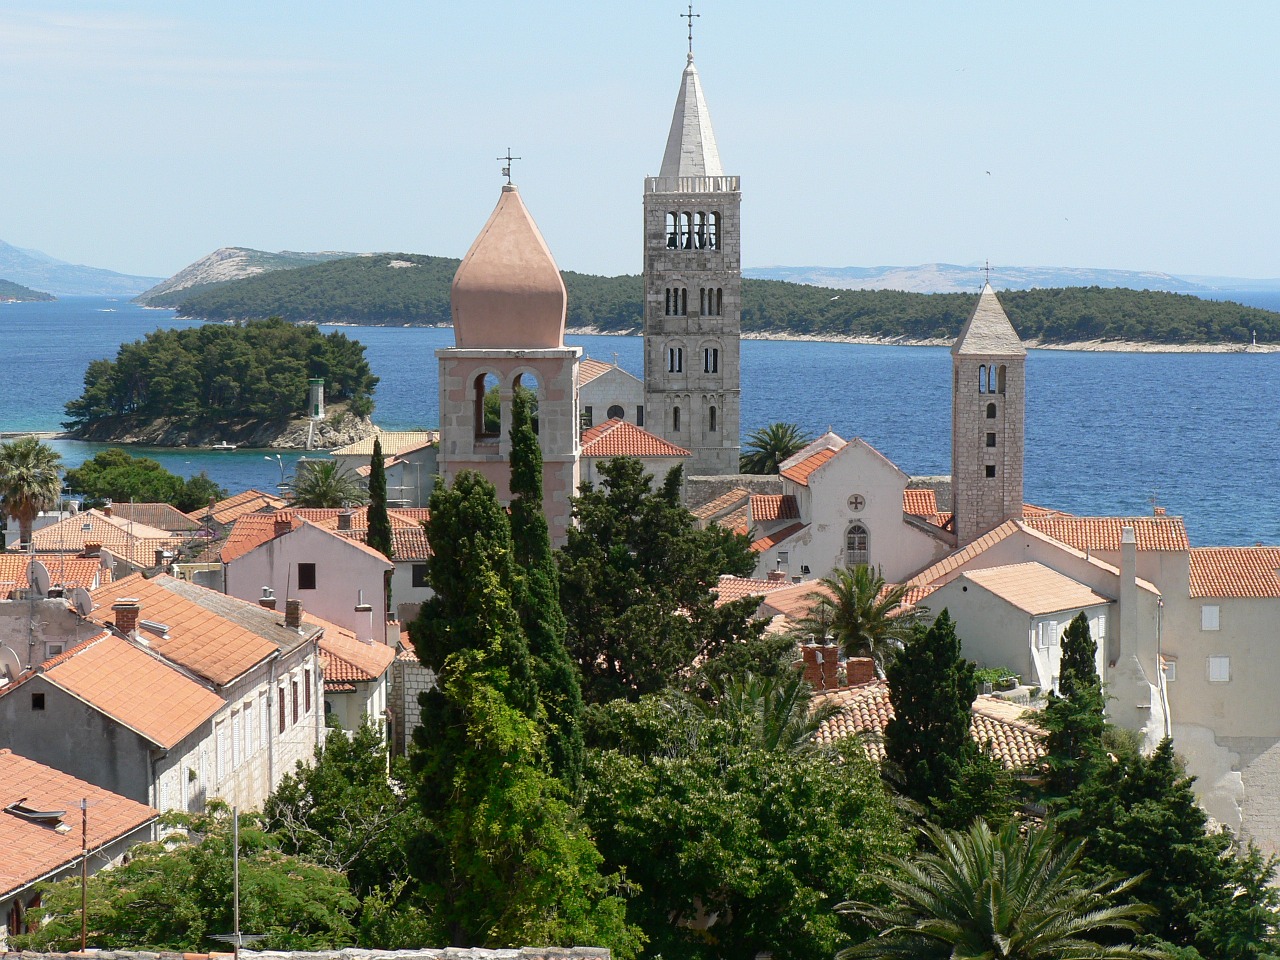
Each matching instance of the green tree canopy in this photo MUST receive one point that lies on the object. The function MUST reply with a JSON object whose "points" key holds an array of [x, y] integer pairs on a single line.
{"points": [[637, 581], [767, 447], [30, 481], [117, 475], [1075, 720], [379, 532], [176, 893], [325, 483], [736, 848], [861, 613]]}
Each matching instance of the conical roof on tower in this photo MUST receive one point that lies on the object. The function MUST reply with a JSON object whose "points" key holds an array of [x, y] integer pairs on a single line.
{"points": [[691, 144], [988, 332], [508, 292]]}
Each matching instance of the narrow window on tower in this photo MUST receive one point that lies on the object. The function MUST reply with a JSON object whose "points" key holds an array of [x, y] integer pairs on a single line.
{"points": [[982, 378], [991, 439], [686, 231], [991, 411], [699, 230], [711, 360], [712, 424], [640, 415], [669, 308], [675, 360], [719, 302], [702, 301], [991, 471], [684, 301], [713, 231], [991, 379], [675, 420], [1000, 380], [671, 231]]}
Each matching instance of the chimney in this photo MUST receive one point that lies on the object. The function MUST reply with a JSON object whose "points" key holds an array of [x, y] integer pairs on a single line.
{"points": [[268, 599], [777, 576], [1158, 511], [106, 509], [344, 519], [821, 662], [859, 670], [127, 610], [293, 615], [1128, 597], [92, 549], [283, 523]]}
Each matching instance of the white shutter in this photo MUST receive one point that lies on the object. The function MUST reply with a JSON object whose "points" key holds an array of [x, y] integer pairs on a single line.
{"points": [[1209, 616]]}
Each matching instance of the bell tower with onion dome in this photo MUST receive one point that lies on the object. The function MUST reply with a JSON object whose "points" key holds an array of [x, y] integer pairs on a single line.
{"points": [[508, 304], [693, 290]]}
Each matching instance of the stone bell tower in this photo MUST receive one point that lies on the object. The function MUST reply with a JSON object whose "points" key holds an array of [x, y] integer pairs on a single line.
{"points": [[508, 303], [988, 400], [693, 291]]}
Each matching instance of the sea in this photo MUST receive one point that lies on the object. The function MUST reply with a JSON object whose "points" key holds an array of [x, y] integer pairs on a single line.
{"points": [[1107, 433]]}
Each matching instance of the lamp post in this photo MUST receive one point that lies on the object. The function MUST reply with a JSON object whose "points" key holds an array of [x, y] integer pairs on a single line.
{"points": [[279, 462]]}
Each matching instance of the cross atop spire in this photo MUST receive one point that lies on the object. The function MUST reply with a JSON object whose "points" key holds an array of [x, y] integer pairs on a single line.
{"points": [[506, 171], [987, 271], [689, 16]]}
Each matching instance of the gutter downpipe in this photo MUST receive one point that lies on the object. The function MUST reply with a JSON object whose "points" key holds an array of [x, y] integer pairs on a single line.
{"points": [[1164, 689]]}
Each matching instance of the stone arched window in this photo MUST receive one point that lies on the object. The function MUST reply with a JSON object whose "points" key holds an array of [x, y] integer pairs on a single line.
{"points": [[712, 422], [673, 223], [713, 231], [677, 301], [855, 546], [1000, 379], [615, 412], [982, 376], [675, 419], [528, 382], [991, 411], [686, 231], [699, 230], [719, 304], [675, 359], [487, 411]]}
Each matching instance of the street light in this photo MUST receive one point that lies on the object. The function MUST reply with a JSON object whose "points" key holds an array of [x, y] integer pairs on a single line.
{"points": [[279, 462]]}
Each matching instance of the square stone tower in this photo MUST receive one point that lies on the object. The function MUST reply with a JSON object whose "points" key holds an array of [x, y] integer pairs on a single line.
{"points": [[988, 416], [693, 291]]}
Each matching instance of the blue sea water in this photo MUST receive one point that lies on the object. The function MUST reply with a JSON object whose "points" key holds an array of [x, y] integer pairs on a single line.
{"points": [[1107, 433]]}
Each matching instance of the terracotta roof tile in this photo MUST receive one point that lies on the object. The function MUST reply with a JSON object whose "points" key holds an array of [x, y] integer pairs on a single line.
{"points": [[921, 502], [800, 472], [773, 539], [721, 504], [1235, 572], [738, 521], [732, 588], [109, 673], [66, 571], [1092, 534], [162, 516], [949, 567], [1035, 589], [31, 850], [132, 541], [347, 659], [620, 438], [394, 443], [865, 710], [794, 600], [228, 511], [589, 369], [766, 507]]}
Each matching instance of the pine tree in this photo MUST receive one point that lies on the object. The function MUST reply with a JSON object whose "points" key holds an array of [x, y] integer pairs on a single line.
{"points": [[1074, 720], [504, 860], [1078, 665], [539, 603], [927, 744], [379, 533]]}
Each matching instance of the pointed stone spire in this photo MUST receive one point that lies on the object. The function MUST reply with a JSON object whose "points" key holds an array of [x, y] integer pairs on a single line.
{"points": [[988, 332], [691, 144]]}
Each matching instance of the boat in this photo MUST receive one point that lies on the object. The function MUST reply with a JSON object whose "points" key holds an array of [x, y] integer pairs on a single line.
{"points": [[223, 445]]}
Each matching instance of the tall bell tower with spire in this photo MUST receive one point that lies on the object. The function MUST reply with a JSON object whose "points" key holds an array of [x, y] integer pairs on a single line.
{"points": [[693, 289]]}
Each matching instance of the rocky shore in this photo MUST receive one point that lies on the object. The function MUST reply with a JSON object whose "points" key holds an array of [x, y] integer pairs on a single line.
{"points": [[297, 434]]}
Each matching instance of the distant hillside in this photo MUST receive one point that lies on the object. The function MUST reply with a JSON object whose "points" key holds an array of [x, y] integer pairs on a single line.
{"points": [[15, 292], [953, 278], [412, 289], [228, 263], [42, 272]]}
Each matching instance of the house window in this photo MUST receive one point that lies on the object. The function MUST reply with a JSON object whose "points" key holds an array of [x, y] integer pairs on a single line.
{"points": [[306, 686], [53, 650], [420, 575], [264, 711], [306, 576], [37, 701], [616, 412], [1170, 671], [586, 418], [991, 470], [248, 729], [294, 686], [856, 546], [1209, 616], [220, 753], [1219, 669], [280, 701], [1047, 633], [991, 439], [237, 731], [991, 411]]}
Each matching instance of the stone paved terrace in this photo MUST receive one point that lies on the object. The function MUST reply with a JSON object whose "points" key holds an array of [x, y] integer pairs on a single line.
{"points": [[351, 953]]}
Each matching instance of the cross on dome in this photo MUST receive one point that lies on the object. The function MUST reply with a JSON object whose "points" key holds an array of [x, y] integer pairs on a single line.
{"points": [[689, 16], [506, 171]]}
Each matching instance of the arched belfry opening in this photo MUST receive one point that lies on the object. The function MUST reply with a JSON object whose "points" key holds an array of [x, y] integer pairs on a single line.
{"points": [[487, 411], [527, 383]]}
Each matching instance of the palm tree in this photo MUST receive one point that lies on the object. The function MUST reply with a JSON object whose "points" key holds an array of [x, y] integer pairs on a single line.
{"points": [[997, 896], [769, 446], [30, 481], [325, 483], [864, 615], [775, 713]]}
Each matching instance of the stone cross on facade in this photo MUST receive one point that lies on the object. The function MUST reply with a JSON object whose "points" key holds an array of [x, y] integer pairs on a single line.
{"points": [[689, 16], [506, 171]]}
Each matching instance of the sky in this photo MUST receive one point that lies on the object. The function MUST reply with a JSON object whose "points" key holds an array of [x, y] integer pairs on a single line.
{"points": [[140, 136]]}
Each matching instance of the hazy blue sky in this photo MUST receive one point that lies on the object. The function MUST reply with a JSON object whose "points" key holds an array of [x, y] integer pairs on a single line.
{"points": [[1137, 135]]}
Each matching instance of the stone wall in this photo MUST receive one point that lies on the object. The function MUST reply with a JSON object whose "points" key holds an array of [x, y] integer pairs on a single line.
{"points": [[408, 679], [700, 490]]}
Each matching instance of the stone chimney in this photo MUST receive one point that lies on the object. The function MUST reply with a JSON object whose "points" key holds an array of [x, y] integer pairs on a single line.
{"points": [[106, 509], [293, 614], [821, 665], [127, 611], [1128, 639], [777, 576], [268, 598], [859, 670], [344, 519], [283, 523]]}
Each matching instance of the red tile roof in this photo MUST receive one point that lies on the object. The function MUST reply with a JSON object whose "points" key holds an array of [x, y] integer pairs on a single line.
{"points": [[948, 567], [738, 521], [732, 588], [1103, 533], [619, 438], [63, 570], [134, 688], [228, 511], [800, 472], [773, 539], [722, 503], [589, 369], [132, 541], [865, 711], [253, 530], [1235, 572], [922, 502], [766, 507], [30, 850], [163, 516], [348, 660]]}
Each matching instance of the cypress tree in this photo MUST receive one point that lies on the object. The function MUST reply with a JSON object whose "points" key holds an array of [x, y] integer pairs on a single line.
{"points": [[932, 689], [539, 603], [1074, 720], [379, 533]]}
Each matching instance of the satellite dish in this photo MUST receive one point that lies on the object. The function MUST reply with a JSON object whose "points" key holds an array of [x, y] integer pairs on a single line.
{"points": [[38, 575], [10, 665], [81, 600]]}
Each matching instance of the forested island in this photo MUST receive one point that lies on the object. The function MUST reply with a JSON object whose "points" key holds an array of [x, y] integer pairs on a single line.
{"points": [[11, 292], [412, 289], [243, 383]]}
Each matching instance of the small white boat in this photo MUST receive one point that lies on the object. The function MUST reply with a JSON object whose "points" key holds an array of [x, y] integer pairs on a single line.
{"points": [[223, 445]]}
